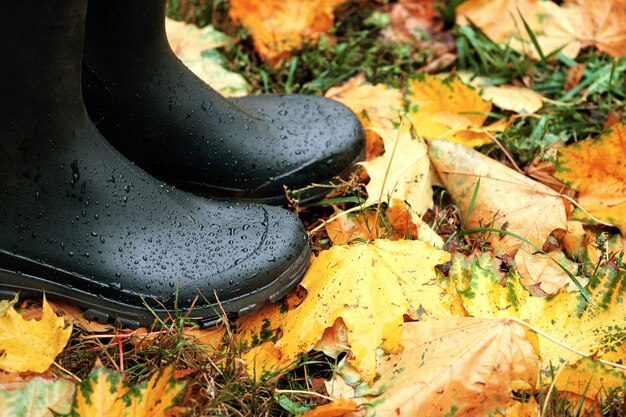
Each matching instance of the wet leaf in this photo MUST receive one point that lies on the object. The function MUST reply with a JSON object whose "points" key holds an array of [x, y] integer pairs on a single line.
{"points": [[596, 168], [448, 109], [371, 287], [31, 345], [103, 393], [39, 398], [503, 21], [453, 367], [279, 26]]}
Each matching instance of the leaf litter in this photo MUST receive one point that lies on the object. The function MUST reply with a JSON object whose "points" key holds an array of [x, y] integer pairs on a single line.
{"points": [[524, 283]]}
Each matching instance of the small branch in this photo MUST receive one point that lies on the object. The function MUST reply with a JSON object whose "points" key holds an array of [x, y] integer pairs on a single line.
{"points": [[67, 372]]}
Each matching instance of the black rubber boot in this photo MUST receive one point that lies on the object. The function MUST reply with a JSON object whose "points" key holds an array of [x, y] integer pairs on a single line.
{"points": [[79, 221], [169, 122]]}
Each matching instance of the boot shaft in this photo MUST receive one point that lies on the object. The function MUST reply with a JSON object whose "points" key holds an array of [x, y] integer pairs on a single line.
{"points": [[40, 60], [123, 27]]}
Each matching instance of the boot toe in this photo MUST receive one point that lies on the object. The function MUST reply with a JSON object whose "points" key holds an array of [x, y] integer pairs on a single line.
{"points": [[251, 264], [315, 139]]}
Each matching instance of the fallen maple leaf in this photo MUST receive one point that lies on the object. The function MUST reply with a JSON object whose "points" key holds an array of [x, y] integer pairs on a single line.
{"points": [[336, 408], [517, 99], [381, 102], [594, 327], [103, 393], [553, 27], [604, 25], [371, 287], [458, 366], [100, 395], [412, 19], [477, 287], [526, 408], [376, 106], [541, 274], [75, 315], [595, 168], [402, 173], [449, 109], [39, 398], [589, 379], [34, 344], [347, 227], [498, 19], [279, 26], [505, 199]]}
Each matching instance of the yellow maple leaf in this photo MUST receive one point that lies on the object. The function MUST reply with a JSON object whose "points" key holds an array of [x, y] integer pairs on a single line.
{"points": [[154, 397], [458, 366], [376, 106], [279, 26], [505, 199], [381, 102], [371, 287], [590, 379], [104, 393], [403, 173], [595, 168], [100, 395], [31, 345], [593, 328], [449, 109]]}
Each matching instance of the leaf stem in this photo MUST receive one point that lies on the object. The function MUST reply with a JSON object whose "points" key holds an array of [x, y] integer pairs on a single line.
{"points": [[563, 345]]}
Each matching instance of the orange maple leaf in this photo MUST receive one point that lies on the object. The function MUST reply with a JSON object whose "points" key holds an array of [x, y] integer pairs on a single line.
{"points": [[279, 26], [596, 168]]}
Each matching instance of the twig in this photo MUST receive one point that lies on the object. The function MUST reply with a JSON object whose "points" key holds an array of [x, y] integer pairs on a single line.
{"points": [[506, 153], [335, 217], [67, 372]]}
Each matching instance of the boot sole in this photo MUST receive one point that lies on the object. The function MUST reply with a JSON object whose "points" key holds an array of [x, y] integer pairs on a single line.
{"points": [[34, 279]]}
